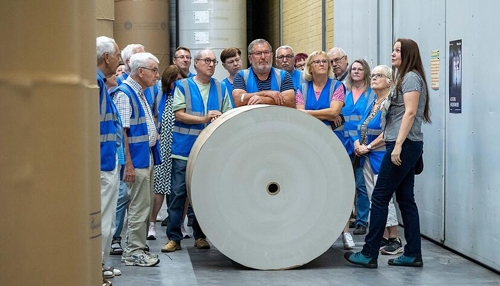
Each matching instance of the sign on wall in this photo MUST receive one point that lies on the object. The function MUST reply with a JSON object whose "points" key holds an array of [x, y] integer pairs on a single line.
{"points": [[455, 79]]}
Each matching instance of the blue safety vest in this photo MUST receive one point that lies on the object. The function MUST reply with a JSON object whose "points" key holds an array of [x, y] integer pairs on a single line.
{"points": [[373, 131], [323, 101], [229, 87], [138, 138], [277, 77], [184, 135], [297, 78], [108, 126], [150, 93], [352, 115]]}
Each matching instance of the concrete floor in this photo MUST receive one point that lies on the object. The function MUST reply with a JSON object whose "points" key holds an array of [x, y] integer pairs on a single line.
{"points": [[190, 267]]}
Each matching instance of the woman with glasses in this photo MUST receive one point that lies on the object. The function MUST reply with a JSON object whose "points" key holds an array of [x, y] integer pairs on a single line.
{"points": [[300, 61], [165, 117], [402, 121], [231, 61], [323, 97], [356, 102], [369, 146]]}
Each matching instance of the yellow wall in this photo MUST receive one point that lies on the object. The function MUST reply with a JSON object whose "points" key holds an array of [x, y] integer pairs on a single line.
{"points": [[302, 22]]}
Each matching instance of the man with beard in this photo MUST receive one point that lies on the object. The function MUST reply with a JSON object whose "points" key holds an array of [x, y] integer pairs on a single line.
{"points": [[261, 83]]}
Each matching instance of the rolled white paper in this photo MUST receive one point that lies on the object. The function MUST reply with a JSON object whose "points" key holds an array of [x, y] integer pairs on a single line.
{"points": [[272, 187]]}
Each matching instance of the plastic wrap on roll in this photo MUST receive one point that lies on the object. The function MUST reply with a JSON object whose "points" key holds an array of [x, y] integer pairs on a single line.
{"points": [[272, 187]]}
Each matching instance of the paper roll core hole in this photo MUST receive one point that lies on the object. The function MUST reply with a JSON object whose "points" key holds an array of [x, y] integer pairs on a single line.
{"points": [[273, 188]]}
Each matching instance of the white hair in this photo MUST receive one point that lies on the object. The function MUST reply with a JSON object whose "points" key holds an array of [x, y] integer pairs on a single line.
{"points": [[141, 60], [285, 47], [128, 51], [104, 45], [339, 49]]}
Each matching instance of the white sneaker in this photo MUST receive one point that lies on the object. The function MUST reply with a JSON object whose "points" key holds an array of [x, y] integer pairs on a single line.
{"points": [[111, 272], [151, 231], [185, 234], [347, 240]]}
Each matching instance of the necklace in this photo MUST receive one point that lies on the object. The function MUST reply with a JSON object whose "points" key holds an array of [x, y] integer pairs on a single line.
{"points": [[380, 100]]}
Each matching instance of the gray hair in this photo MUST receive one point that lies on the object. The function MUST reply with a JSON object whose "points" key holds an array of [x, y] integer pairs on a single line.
{"points": [[334, 49], [105, 45], [285, 48], [140, 60], [385, 70], [128, 51], [258, 41]]}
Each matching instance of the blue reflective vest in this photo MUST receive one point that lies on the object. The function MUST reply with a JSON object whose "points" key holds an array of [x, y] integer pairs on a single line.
{"points": [[184, 135], [323, 101], [138, 138], [108, 126], [373, 131], [150, 93], [352, 115], [297, 78], [277, 77], [229, 87]]}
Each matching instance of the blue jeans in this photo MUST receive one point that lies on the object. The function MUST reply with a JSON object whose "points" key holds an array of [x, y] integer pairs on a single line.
{"points": [[178, 196], [362, 201], [399, 179], [121, 207]]}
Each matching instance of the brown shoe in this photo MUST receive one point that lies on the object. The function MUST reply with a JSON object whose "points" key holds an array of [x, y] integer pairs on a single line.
{"points": [[171, 246], [201, 243]]}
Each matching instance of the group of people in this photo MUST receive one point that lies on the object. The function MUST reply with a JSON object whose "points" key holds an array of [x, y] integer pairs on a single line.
{"points": [[149, 124]]}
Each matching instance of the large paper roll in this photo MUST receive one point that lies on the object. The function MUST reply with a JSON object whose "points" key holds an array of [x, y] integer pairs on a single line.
{"points": [[272, 187]]}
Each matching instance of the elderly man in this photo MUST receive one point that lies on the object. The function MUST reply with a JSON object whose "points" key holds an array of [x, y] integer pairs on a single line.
{"points": [[141, 149], [198, 101], [108, 59], [285, 61], [261, 83], [339, 62], [182, 59]]}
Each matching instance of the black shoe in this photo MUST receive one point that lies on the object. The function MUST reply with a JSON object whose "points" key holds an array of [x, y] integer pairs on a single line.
{"points": [[393, 247], [164, 222], [146, 248], [360, 230], [352, 224], [190, 221]]}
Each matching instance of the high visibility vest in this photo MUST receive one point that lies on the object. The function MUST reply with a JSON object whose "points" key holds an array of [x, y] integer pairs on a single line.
{"points": [[373, 131], [184, 135], [353, 114], [108, 126]]}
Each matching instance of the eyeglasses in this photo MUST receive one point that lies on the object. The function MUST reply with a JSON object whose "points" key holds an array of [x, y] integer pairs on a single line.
{"points": [[377, 76], [259, 54], [183, 57], [318, 62], [288, 57], [235, 61], [337, 60], [153, 70], [208, 61], [299, 66]]}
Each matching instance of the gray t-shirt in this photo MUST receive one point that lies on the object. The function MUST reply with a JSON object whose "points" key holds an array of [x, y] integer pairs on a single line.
{"points": [[411, 82]]}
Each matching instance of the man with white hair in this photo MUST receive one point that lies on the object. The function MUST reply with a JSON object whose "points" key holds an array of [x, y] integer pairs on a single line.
{"points": [[108, 58], [198, 101], [141, 150], [285, 61], [339, 62]]}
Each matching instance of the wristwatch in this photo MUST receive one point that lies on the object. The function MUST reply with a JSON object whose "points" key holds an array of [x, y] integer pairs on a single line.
{"points": [[369, 147]]}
